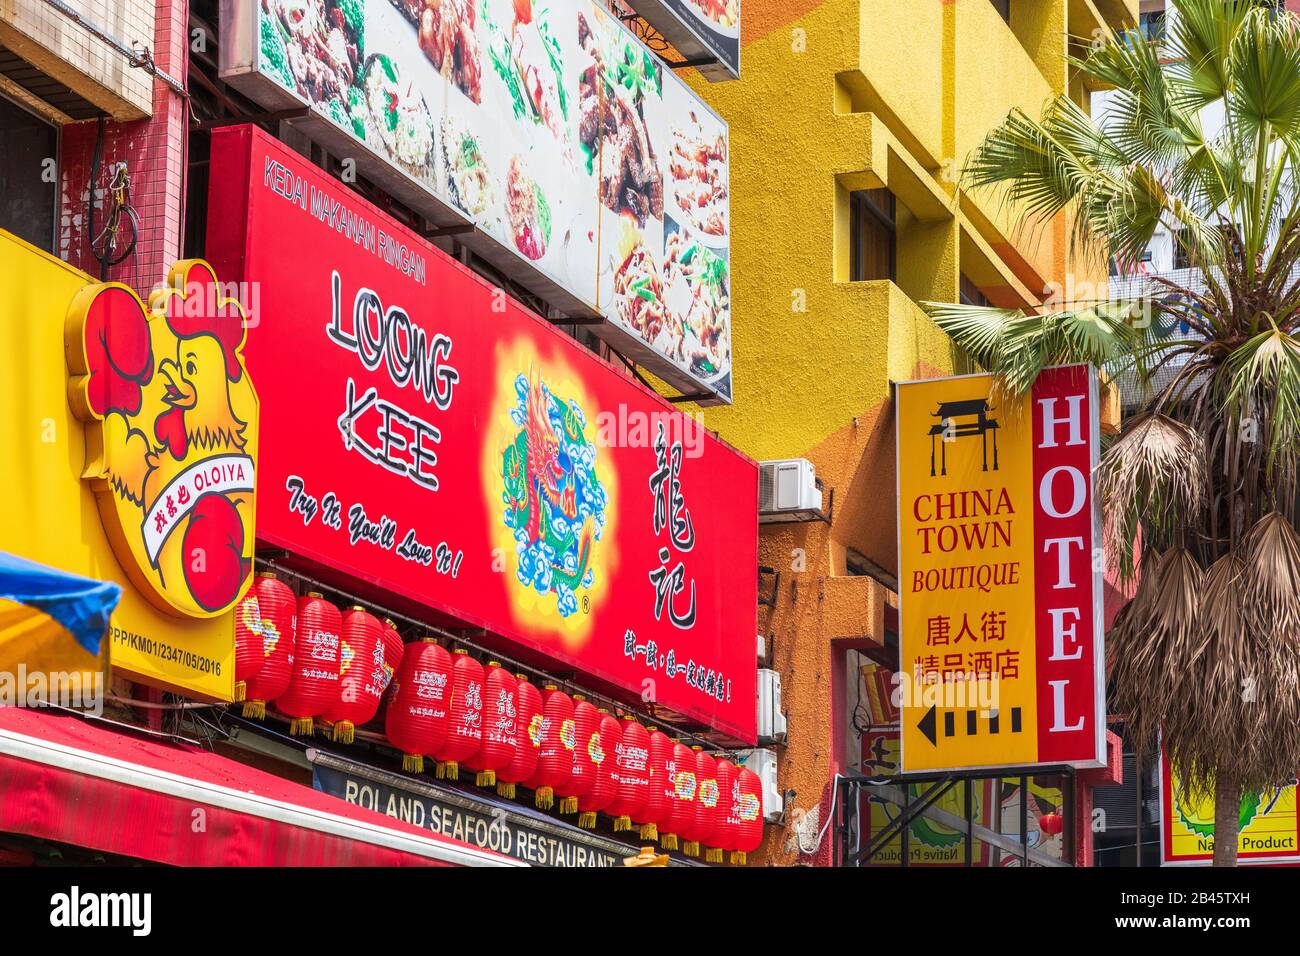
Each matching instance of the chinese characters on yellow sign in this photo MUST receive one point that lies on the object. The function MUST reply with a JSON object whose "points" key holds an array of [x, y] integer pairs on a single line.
{"points": [[999, 586]]}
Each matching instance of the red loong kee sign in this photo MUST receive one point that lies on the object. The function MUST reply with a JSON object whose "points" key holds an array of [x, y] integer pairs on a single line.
{"points": [[426, 433]]}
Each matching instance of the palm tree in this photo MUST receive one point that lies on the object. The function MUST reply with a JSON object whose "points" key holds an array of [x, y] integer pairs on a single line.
{"points": [[1207, 653]]}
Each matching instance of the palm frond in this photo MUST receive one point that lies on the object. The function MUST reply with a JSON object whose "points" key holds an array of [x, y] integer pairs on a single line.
{"points": [[1154, 474]]}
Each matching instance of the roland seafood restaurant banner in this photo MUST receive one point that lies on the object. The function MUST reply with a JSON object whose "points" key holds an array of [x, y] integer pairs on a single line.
{"points": [[426, 433], [1268, 826], [590, 173], [1000, 599]]}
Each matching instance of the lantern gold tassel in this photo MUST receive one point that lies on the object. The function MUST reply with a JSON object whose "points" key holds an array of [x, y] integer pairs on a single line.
{"points": [[649, 831], [739, 858], [544, 798], [691, 848], [255, 709], [668, 841], [622, 823], [448, 770], [712, 855], [506, 790], [486, 778], [241, 690], [587, 819], [569, 805], [345, 732], [300, 727], [413, 763]]}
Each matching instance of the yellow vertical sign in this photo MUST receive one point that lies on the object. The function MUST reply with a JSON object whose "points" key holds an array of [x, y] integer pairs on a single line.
{"points": [[966, 576]]}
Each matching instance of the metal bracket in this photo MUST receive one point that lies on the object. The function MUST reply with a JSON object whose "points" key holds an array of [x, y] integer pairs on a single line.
{"points": [[297, 112], [457, 230], [769, 600]]}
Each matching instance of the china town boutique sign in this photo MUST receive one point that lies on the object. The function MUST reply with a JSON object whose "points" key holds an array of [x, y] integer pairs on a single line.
{"points": [[1000, 599], [426, 433]]}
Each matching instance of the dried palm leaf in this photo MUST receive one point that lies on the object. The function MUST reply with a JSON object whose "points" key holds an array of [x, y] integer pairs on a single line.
{"points": [[1155, 474]]}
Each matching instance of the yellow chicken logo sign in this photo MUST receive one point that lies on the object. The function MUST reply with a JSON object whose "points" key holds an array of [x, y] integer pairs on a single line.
{"points": [[171, 437]]}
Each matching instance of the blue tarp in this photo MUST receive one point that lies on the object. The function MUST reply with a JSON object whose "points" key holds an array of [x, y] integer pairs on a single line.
{"points": [[82, 606]]}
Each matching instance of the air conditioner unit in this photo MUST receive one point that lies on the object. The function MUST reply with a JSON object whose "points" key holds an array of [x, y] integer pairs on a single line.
{"points": [[787, 487], [763, 763], [771, 719]]}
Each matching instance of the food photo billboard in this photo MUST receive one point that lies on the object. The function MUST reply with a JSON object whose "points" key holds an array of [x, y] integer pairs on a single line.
{"points": [[425, 433], [1000, 588], [589, 173]]}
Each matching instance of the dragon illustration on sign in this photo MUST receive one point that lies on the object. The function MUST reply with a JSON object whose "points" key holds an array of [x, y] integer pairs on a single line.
{"points": [[171, 441], [555, 503]]}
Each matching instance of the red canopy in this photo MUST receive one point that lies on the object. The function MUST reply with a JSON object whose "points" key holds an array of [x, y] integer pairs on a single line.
{"points": [[67, 779]]}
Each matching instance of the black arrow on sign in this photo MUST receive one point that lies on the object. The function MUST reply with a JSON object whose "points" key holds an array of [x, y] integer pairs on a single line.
{"points": [[926, 726]]}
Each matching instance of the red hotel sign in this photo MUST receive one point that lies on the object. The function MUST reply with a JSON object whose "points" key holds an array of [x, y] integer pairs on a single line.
{"points": [[426, 433]]}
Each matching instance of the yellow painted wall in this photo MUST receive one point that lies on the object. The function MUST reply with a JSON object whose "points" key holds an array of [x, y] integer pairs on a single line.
{"points": [[837, 95]]}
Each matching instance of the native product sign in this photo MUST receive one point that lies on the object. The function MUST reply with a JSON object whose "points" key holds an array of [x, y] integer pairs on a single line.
{"points": [[929, 841], [423, 431], [586, 169], [999, 580], [1268, 829]]}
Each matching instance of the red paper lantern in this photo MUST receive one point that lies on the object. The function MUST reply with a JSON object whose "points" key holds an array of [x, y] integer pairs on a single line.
{"points": [[555, 759], [315, 683], [659, 793], [724, 834], [680, 771], [528, 724], [706, 803], [465, 729], [586, 719], [417, 716], [277, 610], [632, 767], [599, 747], [500, 729], [362, 678], [1051, 823], [249, 653], [747, 810]]}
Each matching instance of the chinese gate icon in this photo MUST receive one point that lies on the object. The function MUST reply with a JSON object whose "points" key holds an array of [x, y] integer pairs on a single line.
{"points": [[949, 430]]}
